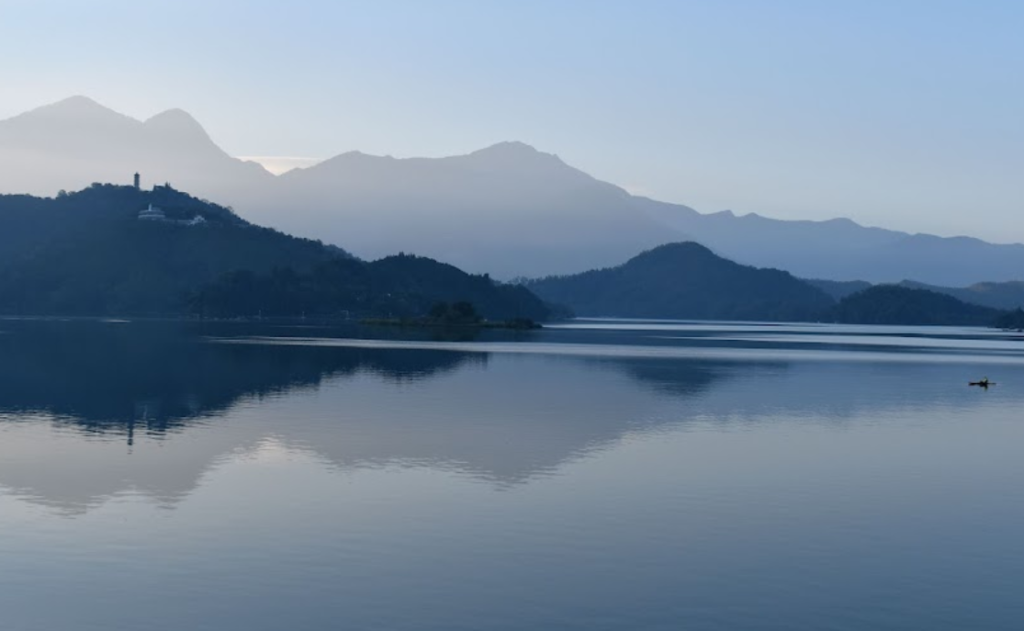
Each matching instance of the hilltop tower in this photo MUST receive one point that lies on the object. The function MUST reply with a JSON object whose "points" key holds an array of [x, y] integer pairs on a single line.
{"points": [[136, 181]]}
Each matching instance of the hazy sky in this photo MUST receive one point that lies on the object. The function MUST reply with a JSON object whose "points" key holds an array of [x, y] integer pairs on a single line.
{"points": [[907, 114]]}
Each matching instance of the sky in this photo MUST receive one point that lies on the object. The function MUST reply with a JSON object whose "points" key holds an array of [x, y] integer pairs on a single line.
{"points": [[907, 114]]}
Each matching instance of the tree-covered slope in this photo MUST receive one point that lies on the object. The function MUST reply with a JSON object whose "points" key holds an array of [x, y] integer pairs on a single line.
{"points": [[894, 304], [89, 253], [396, 286], [685, 280]]}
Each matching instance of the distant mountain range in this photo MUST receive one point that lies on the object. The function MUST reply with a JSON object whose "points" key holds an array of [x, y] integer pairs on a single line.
{"points": [[117, 250], [509, 209]]}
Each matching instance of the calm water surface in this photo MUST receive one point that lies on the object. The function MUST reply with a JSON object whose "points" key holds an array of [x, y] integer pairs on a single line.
{"points": [[597, 475]]}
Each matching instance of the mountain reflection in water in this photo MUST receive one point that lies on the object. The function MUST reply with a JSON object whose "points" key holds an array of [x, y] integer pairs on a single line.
{"points": [[179, 397]]}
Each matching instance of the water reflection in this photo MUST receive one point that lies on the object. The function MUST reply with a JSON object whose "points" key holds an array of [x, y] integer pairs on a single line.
{"points": [[159, 376], [163, 402], [412, 484]]}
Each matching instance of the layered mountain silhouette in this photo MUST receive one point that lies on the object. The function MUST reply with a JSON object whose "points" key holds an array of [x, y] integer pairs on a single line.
{"points": [[508, 210], [1008, 295], [896, 304], [76, 142], [116, 250], [689, 281], [1003, 296], [686, 280]]}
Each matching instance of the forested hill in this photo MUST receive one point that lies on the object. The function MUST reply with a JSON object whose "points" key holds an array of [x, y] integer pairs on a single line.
{"points": [[398, 286], [896, 304], [90, 253], [685, 280]]}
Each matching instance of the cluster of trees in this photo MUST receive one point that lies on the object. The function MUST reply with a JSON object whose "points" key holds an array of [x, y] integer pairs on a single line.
{"points": [[1011, 320], [461, 312]]}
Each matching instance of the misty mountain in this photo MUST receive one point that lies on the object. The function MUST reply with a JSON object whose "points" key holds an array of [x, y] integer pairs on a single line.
{"points": [[508, 210], [76, 142], [688, 281], [895, 304], [104, 251]]}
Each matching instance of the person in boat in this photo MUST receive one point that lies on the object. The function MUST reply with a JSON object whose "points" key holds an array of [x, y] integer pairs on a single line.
{"points": [[984, 383]]}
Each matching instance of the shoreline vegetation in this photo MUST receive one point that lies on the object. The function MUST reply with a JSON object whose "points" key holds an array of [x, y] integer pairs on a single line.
{"points": [[457, 314], [517, 324], [1011, 321]]}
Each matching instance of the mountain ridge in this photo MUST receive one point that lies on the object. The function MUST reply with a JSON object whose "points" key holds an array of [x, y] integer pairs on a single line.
{"points": [[105, 251], [507, 209], [685, 281]]}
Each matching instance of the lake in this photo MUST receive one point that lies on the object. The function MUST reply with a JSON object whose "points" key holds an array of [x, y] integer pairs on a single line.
{"points": [[594, 475]]}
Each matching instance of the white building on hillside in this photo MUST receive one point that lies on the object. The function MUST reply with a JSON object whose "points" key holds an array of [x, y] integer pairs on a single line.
{"points": [[152, 214]]}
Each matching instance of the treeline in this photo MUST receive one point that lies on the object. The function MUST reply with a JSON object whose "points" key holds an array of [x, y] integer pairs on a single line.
{"points": [[401, 286]]}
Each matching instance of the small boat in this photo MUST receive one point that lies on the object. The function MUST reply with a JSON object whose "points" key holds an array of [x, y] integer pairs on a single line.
{"points": [[984, 383]]}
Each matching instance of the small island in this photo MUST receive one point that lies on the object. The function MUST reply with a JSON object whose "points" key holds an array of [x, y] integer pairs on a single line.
{"points": [[457, 314]]}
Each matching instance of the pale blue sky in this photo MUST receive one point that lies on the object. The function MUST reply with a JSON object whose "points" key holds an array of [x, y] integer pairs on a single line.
{"points": [[906, 114]]}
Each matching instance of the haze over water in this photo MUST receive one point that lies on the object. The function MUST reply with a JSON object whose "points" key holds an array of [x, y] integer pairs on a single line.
{"points": [[597, 475]]}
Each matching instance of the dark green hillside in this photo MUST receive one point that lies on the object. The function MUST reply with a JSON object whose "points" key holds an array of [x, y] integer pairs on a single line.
{"points": [[396, 286], [894, 304], [427, 281], [685, 280], [89, 253]]}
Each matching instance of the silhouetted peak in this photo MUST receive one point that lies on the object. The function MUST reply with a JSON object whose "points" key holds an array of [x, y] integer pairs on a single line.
{"points": [[355, 154], [75, 107], [511, 153], [508, 147], [176, 121], [74, 103], [674, 251], [349, 158]]}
